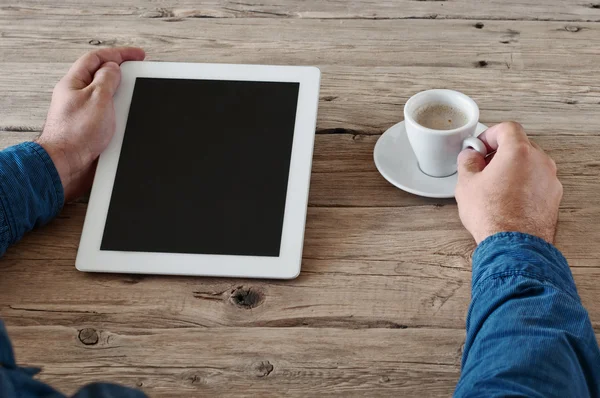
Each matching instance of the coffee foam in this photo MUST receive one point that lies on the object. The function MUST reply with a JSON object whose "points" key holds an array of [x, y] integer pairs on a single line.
{"points": [[440, 117]]}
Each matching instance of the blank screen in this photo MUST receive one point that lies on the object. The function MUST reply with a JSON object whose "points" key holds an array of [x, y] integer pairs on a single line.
{"points": [[203, 168]]}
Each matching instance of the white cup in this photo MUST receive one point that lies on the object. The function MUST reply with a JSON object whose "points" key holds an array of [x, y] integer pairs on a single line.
{"points": [[437, 150]]}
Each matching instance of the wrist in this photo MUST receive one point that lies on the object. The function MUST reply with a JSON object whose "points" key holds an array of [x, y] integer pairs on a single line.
{"points": [[546, 235], [64, 164]]}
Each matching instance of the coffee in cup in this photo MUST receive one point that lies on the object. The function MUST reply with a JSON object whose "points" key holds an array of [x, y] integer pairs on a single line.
{"points": [[440, 117], [439, 124]]}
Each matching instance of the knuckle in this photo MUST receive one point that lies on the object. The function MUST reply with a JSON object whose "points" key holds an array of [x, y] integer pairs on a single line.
{"points": [[513, 132], [522, 150], [514, 126]]}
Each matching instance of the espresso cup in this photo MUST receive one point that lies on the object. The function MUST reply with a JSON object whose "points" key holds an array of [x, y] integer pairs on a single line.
{"points": [[437, 150]]}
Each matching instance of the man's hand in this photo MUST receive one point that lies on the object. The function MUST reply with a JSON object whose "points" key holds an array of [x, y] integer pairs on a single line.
{"points": [[81, 119], [516, 191]]}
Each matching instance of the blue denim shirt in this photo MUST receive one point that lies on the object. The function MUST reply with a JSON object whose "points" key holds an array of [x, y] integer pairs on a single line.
{"points": [[527, 332], [31, 194]]}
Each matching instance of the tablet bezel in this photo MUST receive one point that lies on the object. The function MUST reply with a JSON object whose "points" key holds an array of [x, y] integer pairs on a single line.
{"points": [[287, 265]]}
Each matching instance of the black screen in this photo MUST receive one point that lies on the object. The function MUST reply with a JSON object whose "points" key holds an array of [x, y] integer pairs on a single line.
{"points": [[203, 168]]}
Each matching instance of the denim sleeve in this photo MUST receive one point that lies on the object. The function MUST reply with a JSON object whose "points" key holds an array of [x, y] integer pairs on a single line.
{"points": [[527, 331], [31, 192]]}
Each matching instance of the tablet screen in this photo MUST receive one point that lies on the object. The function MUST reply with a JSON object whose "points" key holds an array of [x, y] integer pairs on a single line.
{"points": [[203, 168]]}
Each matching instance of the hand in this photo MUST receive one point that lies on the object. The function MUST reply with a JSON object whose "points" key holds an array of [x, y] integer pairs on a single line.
{"points": [[81, 119], [516, 191]]}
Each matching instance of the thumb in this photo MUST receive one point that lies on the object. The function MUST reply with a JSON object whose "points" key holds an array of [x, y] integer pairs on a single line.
{"points": [[470, 162], [107, 77]]}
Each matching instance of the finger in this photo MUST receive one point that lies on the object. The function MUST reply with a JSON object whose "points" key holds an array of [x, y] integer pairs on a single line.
{"points": [[470, 162], [107, 78], [82, 72], [506, 133]]}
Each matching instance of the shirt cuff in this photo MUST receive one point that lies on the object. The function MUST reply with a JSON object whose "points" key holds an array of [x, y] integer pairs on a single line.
{"points": [[31, 192], [515, 253]]}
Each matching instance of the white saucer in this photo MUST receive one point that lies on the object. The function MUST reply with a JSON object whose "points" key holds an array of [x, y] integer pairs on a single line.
{"points": [[397, 163]]}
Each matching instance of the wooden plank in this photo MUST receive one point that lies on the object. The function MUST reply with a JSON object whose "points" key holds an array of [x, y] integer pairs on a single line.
{"points": [[344, 173], [357, 261], [382, 43], [363, 9], [368, 100], [358, 233], [329, 293], [230, 361]]}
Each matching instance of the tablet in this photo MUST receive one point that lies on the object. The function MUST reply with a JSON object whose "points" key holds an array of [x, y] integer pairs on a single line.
{"points": [[207, 174]]}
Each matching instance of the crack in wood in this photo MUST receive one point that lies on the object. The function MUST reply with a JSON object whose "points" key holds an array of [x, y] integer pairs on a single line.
{"points": [[12, 307], [21, 129], [170, 16], [251, 12], [216, 296], [342, 130], [345, 322], [133, 279], [442, 297]]}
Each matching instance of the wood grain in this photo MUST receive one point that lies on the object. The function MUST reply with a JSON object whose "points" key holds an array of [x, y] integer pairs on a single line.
{"points": [[384, 43], [368, 100], [364, 9], [247, 362], [380, 305], [344, 174]]}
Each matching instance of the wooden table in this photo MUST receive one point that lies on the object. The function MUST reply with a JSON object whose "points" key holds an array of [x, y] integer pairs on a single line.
{"points": [[379, 308]]}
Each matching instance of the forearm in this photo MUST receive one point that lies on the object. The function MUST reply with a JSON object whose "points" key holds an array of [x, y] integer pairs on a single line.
{"points": [[31, 192], [527, 331]]}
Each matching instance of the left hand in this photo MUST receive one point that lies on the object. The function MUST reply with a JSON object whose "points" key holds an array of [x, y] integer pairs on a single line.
{"points": [[81, 118]]}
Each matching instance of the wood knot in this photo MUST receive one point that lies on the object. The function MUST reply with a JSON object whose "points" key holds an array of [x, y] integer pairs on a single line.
{"points": [[88, 336], [479, 25], [95, 42], [482, 64], [329, 98], [574, 29], [384, 379], [246, 297], [571, 102], [597, 6], [158, 13], [195, 379], [262, 368]]}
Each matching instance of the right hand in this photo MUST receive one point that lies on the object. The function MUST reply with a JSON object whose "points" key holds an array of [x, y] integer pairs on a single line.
{"points": [[516, 191]]}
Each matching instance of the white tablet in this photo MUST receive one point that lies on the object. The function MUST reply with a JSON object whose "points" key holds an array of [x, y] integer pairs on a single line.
{"points": [[207, 174]]}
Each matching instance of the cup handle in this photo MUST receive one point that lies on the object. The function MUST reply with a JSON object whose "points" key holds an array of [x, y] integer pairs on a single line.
{"points": [[475, 143]]}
